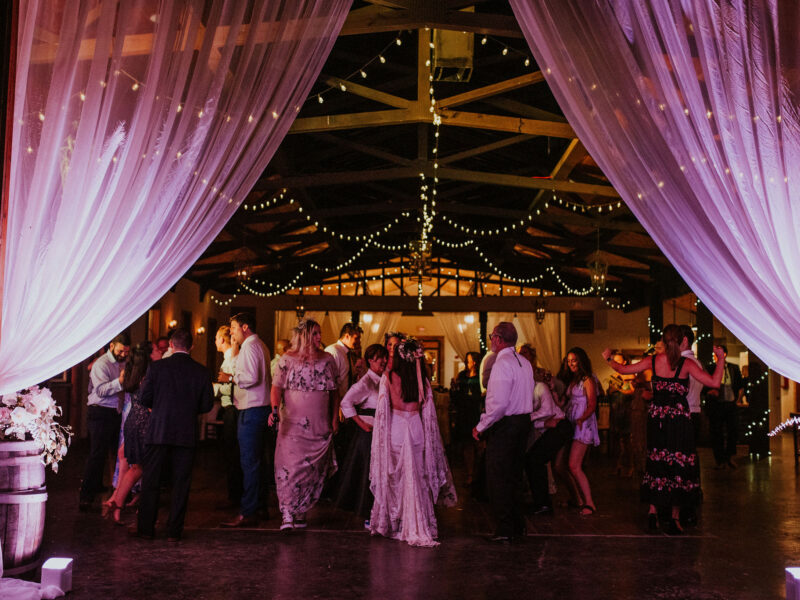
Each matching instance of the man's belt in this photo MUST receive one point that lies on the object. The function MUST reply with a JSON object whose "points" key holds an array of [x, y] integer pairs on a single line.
{"points": [[365, 412]]}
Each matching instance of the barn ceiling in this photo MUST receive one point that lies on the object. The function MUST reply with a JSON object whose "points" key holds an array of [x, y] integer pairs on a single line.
{"points": [[431, 155]]}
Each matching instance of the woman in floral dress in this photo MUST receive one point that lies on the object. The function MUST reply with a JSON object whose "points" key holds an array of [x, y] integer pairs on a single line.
{"points": [[671, 478], [304, 389]]}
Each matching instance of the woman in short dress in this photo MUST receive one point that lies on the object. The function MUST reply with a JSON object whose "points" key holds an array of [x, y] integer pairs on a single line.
{"points": [[581, 401], [134, 429], [672, 475], [304, 391]]}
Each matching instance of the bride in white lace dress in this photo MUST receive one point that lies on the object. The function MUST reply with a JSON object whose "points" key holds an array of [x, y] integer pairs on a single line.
{"points": [[408, 469]]}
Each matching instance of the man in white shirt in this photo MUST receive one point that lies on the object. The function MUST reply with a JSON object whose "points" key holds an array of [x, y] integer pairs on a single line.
{"points": [[251, 397], [103, 414], [342, 352], [505, 425], [223, 390]]}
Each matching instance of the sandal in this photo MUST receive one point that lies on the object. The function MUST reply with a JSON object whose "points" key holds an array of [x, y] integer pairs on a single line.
{"points": [[586, 507]]}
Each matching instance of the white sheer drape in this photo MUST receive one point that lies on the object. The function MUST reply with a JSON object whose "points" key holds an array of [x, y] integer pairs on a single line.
{"points": [[690, 109], [337, 319], [546, 338], [381, 323], [460, 333], [139, 127]]}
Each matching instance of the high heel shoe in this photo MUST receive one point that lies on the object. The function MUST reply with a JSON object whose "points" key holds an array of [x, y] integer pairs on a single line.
{"points": [[114, 512], [652, 522], [674, 527]]}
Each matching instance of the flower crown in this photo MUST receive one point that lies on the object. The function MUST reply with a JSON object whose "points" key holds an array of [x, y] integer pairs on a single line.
{"points": [[410, 350], [301, 325]]}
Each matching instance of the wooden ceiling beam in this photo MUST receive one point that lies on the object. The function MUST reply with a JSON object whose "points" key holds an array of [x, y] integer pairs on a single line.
{"points": [[496, 179], [492, 90], [367, 92], [507, 124], [374, 19], [364, 149], [516, 139]]}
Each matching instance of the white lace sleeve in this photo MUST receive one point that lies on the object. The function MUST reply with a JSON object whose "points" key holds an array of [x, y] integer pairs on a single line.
{"points": [[380, 460], [438, 471]]}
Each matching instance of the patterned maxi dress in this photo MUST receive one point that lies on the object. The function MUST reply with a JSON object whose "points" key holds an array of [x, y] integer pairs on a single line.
{"points": [[304, 456], [672, 475]]}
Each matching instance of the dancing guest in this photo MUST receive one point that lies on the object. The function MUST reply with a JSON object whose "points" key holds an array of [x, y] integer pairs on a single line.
{"points": [[550, 432], [359, 404], [344, 357], [134, 429], [505, 425], [722, 415], [408, 468], [390, 340], [620, 392], [103, 415], [223, 389], [465, 398], [251, 398], [581, 392], [305, 393], [177, 389], [671, 480]]}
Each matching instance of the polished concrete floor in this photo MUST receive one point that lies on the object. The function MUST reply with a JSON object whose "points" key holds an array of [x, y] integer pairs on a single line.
{"points": [[749, 532]]}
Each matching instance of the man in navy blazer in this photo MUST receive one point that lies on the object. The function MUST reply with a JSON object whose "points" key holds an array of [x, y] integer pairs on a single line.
{"points": [[177, 389]]}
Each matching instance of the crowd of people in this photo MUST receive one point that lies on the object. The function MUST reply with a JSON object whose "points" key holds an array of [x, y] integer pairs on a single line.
{"points": [[361, 429]]}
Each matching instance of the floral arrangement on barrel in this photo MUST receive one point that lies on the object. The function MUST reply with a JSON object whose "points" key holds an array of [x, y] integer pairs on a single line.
{"points": [[31, 415]]}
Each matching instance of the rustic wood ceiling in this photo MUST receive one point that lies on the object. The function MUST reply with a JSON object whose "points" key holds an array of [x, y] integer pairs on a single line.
{"points": [[517, 196]]}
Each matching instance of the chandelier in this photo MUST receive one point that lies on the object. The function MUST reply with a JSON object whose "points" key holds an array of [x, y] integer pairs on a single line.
{"points": [[300, 308], [540, 308], [420, 259], [598, 269]]}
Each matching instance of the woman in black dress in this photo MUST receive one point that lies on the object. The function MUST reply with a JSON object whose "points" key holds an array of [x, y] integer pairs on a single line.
{"points": [[671, 476], [465, 398], [135, 425]]}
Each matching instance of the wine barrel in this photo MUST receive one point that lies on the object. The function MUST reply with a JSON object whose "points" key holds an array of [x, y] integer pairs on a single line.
{"points": [[22, 505]]}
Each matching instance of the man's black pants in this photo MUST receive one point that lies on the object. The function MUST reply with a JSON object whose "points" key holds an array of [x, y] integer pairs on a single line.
{"points": [[543, 451], [103, 424], [505, 457], [157, 458]]}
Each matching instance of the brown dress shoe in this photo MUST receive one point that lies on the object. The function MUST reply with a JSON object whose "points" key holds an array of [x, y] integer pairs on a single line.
{"points": [[241, 521]]}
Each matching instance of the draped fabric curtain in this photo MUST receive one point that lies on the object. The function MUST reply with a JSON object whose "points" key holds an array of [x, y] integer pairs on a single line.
{"points": [[381, 323], [336, 320], [461, 330], [546, 338], [690, 109], [286, 320], [139, 127]]}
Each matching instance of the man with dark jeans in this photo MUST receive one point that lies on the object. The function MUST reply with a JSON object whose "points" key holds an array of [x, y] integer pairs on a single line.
{"points": [[177, 389], [722, 417], [505, 425], [103, 415], [550, 432], [251, 397]]}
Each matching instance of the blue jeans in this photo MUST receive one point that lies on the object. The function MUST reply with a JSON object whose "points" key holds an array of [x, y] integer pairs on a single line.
{"points": [[252, 429]]}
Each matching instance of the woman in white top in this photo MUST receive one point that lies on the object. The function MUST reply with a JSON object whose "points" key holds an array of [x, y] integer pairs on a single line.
{"points": [[359, 404]]}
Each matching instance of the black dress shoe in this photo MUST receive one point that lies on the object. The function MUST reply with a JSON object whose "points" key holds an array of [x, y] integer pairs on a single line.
{"points": [[84, 506], [544, 509], [674, 527], [173, 540]]}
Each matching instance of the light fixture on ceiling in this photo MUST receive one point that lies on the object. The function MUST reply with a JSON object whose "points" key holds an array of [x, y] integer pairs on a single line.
{"points": [[598, 269], [540, 307]]}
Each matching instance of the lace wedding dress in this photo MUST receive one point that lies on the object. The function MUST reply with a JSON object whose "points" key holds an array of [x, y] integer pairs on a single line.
{"points": [[408, 471]]}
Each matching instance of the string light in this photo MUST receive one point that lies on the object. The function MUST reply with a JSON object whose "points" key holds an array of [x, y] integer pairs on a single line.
{"points": [[360, 72]]}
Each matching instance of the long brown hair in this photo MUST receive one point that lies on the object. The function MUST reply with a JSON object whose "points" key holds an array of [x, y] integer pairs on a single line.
{"points": [[136, 367], [404, 364], [672, 338]]}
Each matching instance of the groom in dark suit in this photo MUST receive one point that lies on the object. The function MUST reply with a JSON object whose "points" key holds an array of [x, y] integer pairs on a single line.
{"points": [[177, 389]]}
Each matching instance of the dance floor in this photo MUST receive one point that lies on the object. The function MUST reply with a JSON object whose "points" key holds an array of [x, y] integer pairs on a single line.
{"points": [[749, 532]]}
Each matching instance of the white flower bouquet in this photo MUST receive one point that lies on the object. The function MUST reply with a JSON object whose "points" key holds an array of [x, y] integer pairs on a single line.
{"points": [[31, 415]]}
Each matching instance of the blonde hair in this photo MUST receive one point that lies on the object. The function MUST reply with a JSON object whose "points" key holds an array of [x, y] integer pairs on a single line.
{"points": [[225, 332], [302, 345]]}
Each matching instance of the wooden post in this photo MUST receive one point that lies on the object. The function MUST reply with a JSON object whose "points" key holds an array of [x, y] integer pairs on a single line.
{"points": [[7, 78]]}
